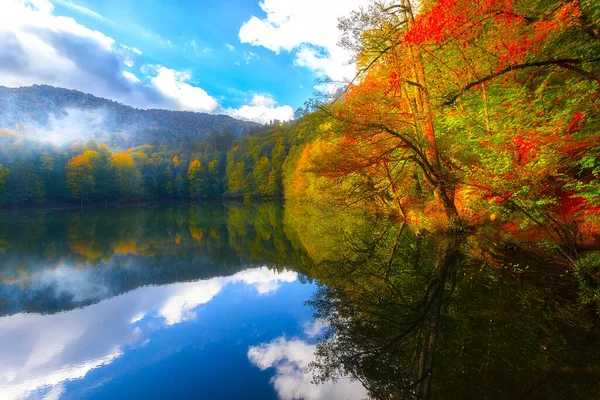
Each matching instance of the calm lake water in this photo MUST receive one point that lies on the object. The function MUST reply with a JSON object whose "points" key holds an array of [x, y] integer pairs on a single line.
{"points": [[267, 302]]}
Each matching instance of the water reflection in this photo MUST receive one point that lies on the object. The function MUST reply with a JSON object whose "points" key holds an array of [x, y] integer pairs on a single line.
{"points": [[418, 316], [56, 261], [41, 351], [290, 358], [81, 291], [209, 302]]}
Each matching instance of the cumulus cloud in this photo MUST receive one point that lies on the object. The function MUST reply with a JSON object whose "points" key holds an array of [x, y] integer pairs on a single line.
{"points": [[41, 352], [56, 50], [262, 109], [290, 358], [294, 26], [38, 47], [230, 47], [175, 85]]}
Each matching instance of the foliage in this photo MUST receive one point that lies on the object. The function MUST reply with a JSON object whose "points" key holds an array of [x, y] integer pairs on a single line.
{"points": [[79, 175], [96, 173], [464, 110]]}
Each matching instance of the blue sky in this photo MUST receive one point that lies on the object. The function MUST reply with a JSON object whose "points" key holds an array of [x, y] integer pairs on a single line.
{"points": [[251, 59]]}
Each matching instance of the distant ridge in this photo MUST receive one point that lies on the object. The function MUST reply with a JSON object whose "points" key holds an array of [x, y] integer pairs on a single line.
{"points": [[39, 105]]}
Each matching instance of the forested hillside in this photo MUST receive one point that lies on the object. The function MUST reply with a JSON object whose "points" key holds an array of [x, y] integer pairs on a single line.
{"points": [[42, 107], [460, 112], [215, 166]]}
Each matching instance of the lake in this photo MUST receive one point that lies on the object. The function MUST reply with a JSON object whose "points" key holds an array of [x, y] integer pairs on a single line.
{"points": [[264, 302]]}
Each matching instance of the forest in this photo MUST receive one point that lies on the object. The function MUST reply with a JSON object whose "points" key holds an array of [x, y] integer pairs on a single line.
{"points": [[439, 213], [215, 166], [460, 112]]}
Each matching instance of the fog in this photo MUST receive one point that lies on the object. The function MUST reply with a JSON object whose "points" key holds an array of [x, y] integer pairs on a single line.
{"points": [[70, 125]]}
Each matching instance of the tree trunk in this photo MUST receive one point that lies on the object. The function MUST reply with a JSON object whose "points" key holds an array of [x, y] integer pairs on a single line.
{"points": [[446, 260]]}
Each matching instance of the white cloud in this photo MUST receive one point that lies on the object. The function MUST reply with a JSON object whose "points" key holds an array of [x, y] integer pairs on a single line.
{"points": [[175, 86], [132, 49], [315, 328], [230, 47], [131, 76], [180, 307], [290, 358], [44, 351], [129, 62], [249, 56], [294, 26], [262, 109], [83, 10], [55, 393], [38, 47]]}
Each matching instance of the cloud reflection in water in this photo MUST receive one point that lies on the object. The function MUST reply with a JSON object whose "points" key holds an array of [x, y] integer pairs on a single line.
{"points": [[44, 351], [290, 358]]}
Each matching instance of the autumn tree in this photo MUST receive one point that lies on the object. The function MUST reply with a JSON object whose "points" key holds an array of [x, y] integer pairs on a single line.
{"points": [[493, 98], [261, 177], [389, 112], [127, 176], [519, 86], [79, 176], [196, 180]]}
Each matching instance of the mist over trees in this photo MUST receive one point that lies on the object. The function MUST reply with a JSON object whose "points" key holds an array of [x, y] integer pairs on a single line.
{"points": [[212, 167], [60, 115]]}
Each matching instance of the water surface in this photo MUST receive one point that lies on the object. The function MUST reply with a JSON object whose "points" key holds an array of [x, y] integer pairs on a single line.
{"points": [[154, 303], [262, 301]]}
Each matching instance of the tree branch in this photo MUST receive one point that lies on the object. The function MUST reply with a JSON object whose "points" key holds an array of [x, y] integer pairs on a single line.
{"points": [[568, 63]]}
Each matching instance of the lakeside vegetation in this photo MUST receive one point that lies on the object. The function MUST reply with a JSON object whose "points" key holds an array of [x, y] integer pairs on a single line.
{"points": [[444, 207], [462, 113], [459, 111]]}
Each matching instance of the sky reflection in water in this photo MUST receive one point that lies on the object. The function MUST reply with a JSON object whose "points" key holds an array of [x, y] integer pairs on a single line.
{"points": [[122, 329], [131, 338]]}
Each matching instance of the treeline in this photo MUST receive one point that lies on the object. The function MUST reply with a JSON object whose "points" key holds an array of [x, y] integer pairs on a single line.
{"points": [[214, 167]]}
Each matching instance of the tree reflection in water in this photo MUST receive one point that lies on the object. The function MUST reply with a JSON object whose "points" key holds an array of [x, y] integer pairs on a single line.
{"points": [[416, 316], [410, 315]]}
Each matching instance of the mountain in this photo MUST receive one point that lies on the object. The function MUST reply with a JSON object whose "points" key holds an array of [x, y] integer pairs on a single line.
{"points": [[52, 111]]}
